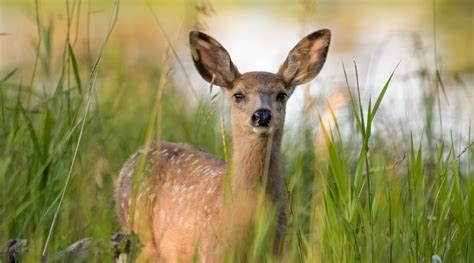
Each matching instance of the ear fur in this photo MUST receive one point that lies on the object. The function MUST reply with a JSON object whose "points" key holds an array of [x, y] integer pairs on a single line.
{"points": [[306, 59], [212, 60]]}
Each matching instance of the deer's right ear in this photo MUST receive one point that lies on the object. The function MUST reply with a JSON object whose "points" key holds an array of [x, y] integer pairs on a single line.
{"points": [[212, 60]]}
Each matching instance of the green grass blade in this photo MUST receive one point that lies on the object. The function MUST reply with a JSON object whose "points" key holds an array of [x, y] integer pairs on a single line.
{"points": [[8, 76], [382, 94], [75, 68]]}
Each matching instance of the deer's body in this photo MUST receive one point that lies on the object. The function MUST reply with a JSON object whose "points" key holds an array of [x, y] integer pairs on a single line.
{"points": [[181, 211], [184, 199]]}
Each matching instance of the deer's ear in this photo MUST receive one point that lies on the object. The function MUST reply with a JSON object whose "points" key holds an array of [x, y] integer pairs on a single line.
{"points": [[212, 60], [306, 59]]}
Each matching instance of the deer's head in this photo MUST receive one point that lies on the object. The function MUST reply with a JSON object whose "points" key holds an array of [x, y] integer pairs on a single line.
{"points": [[258, 99]]}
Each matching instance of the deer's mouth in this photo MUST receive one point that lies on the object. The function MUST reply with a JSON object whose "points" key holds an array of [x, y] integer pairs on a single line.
{"points": [[262, 131]]}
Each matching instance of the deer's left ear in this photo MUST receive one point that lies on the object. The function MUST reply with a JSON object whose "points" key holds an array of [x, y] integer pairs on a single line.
{"points": [[306, 59]]}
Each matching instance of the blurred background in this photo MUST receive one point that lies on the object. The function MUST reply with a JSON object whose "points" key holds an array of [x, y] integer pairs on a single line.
{"points": [[422, 36], [145, 77]]}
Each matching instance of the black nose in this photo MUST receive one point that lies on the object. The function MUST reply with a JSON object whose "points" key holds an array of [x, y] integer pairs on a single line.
{"points": [[261, 117]]}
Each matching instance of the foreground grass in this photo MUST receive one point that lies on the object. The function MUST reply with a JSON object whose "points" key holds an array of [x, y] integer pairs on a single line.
{"points": [[355, 196]]}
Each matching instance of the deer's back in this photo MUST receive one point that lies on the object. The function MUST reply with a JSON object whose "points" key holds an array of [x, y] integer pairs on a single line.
{"points": [[180, 190]]}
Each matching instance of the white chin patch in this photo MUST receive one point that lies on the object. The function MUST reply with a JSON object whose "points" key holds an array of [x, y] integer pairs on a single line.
{"points": [[262, 130]]}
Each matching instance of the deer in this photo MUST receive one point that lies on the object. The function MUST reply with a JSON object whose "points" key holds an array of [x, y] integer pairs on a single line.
{"points": [[180, 211]]}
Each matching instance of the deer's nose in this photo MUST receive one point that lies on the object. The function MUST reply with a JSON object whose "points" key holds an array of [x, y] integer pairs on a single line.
{"points": [[261, 118]]}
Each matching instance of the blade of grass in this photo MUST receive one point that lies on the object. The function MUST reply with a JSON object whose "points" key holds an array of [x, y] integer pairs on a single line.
{"points": [[170, 44], [38, 45], [91, 83], [8, 76], [31, 130], [75, 68], [2, 81], [382, 94]]}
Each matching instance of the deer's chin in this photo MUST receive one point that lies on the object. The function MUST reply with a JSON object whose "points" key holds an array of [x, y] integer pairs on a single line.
{"points": [[262, 131]]}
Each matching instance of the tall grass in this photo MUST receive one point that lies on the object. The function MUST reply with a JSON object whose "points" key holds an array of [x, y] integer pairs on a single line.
{"points": [[354, 196]]}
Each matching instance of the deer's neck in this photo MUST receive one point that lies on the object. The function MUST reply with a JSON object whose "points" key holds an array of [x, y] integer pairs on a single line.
{"points": [[255, 159]]}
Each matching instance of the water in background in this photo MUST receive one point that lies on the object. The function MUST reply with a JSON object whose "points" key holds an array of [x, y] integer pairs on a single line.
{"points": [[377, 38]]}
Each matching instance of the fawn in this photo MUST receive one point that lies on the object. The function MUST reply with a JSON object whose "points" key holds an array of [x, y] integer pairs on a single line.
{"points": [[180, 211]]}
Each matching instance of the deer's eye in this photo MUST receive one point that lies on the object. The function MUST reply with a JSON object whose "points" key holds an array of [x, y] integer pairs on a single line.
{"points": [[238, 97], [281, 97]]}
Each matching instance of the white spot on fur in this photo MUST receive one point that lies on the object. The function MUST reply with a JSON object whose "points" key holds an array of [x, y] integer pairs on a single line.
{"points": [[189, 157], [262, 130]]}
